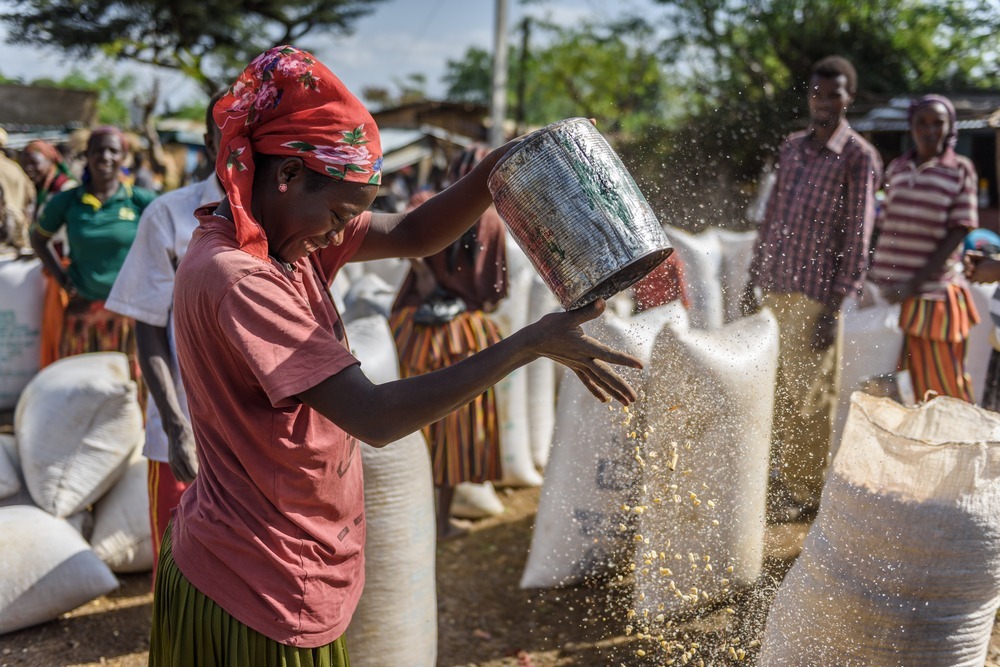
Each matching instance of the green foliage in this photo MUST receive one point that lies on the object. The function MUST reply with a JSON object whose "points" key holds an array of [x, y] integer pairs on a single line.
{"points": [[604, 72], [208, 41], [747, 81], [468, 79], [744, 66]]}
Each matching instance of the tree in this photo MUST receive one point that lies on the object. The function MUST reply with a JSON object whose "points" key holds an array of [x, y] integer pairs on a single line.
{"points": [[751, 59], [744, 66], [604, 72], [468, 79], [208, 41]]}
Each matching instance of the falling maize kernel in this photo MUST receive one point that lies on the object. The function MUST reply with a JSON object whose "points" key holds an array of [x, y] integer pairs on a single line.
{"points": [[711, 503], [659, 618], [729, 569], [677, 498], [630, 613], [732, 653], [740, 654], [730, 610], [724, 582], [666, 572], [640, 653], [628, 629], [638, 538], [715, 522], [696, 502], [631, 567], [708, 567]]}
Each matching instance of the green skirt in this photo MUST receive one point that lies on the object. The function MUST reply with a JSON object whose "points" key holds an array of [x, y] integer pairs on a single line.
{"points": [[190, 630]]}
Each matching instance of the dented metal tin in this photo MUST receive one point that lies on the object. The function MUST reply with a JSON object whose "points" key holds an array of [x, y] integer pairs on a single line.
{"points": [[574, 209]]}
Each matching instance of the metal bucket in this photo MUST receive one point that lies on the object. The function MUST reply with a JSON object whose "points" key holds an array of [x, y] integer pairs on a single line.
{"points": [[574, 209]]}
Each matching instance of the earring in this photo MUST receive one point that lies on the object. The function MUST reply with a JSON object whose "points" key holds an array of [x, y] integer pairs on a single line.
{"points": [[282, 187]]}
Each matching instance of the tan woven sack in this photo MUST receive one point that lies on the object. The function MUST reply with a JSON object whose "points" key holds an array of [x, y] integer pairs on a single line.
{"points": [[902, 566]]}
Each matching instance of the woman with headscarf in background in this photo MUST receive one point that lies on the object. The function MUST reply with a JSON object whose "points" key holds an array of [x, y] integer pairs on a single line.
{"points": [[930, 206], [263, 562], [441, 316], [100, 218], [45, 166]]}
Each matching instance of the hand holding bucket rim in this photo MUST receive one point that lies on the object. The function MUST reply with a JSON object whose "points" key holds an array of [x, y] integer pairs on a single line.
{"points": [[559, 337]]}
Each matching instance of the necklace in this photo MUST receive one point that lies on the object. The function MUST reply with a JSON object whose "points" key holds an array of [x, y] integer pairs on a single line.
{"points": [[288, 267]]}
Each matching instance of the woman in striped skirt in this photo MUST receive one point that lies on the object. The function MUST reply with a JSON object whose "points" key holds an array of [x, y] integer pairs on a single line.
{"points": [[440, 317], [930, 206]]}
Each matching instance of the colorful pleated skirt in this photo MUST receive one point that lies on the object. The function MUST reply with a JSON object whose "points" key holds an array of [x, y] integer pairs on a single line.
{"points": [[465, 445], [935, 340]]}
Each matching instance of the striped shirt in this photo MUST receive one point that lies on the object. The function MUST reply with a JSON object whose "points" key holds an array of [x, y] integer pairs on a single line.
{"points": [[922, 204], [818, 223]]}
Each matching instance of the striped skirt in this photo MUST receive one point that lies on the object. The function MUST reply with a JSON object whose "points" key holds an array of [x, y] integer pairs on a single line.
{"points": [[190, 630], [935, 339], [465, 445]]}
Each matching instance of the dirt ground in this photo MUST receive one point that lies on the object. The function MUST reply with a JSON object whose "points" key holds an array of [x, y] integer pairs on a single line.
{"points": [[484, 619]]}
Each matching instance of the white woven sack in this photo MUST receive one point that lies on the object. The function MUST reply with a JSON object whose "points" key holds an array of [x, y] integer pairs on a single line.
{"points": [[512, 392], [339, 288], [368, 295], [870, 344], [902, 566], [10, 476], [48, 569], [22, 290], [711, 398], [392, 270], [702, 257], [590, 476], [977, 354], [77, 423], [734, 269], [122, 536], [371, 342], [476, 501], [396, 619], [541, 379]]}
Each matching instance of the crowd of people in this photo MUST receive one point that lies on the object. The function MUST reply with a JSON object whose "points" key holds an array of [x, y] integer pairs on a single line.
{"points": [[257, 405]]}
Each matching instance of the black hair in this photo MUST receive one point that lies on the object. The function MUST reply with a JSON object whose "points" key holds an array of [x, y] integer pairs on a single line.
{"points": [[264, 163], [210, 109], [833, 66]]}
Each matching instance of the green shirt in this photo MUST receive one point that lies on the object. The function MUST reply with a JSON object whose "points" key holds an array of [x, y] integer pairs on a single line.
{"points": [[99, 235]]}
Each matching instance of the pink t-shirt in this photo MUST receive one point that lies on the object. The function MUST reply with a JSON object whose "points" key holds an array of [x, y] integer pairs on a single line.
{"points": [[273, 527]]}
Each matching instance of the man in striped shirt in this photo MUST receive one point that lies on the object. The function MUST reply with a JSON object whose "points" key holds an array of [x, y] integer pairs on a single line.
{"points": [[811, 253]]}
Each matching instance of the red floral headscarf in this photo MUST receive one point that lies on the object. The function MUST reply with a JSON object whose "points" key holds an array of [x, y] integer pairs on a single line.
{"points": [[286, 102]]}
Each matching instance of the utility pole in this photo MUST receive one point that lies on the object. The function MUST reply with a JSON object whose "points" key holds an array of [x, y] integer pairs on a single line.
{"points": [[498, 106], [522, 75]]}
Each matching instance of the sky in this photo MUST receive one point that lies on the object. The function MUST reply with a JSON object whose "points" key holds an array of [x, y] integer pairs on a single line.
{"points": [[399, 38]]}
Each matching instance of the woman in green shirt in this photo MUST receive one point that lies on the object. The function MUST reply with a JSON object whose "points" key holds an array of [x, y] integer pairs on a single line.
{"points": [[101, 217]]}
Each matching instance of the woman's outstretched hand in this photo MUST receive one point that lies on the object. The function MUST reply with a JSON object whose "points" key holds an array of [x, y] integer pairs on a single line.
{"points": [[559, 337]]}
